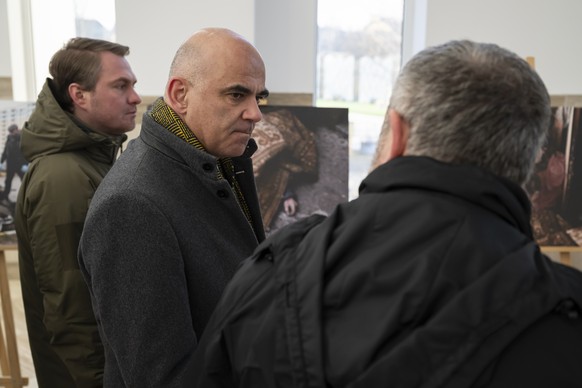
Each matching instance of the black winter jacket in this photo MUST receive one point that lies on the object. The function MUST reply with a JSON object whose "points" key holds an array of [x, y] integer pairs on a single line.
{"points": [[430, 278]]}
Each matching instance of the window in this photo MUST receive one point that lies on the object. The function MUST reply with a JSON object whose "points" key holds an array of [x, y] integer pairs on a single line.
{"points": [[359, 55], [87, 18], [95, 19]]}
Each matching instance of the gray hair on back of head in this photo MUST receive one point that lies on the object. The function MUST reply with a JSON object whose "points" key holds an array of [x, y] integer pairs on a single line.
{"points": [[474, 103]]}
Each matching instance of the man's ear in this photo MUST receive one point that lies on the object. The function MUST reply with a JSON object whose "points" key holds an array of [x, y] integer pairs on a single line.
{"points": [[392, 140], [399, 132], [384, 140], [79, 96], [176, 94]]}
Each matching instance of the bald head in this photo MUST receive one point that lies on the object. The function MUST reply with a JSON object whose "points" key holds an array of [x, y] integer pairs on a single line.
{"points": [[216, 82], [206, 49]]}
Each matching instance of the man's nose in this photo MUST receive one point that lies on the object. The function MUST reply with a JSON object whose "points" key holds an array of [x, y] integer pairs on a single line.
{"points": [[253, 112]]}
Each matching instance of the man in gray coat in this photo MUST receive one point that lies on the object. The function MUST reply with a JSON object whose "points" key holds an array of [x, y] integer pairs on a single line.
{"points": [[170, 223]]}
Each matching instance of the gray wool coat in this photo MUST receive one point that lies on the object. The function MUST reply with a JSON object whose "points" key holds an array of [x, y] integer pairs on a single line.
{"points": [[162, 238]]}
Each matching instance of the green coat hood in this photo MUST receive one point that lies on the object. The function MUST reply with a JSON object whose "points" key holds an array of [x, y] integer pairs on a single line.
{"points": [[50, 130]]}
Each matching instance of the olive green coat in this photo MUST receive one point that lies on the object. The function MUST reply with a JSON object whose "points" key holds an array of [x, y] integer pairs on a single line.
{"points": [[67, 163]]}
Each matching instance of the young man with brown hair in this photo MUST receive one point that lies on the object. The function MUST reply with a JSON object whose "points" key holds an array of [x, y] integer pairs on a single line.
{"points": [[71, 141]]}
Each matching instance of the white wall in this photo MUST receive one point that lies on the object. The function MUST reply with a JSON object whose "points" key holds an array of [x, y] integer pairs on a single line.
{"points": [[154, 30], [547, 30], [5, 69], [284, 32], [286, 36], [21, 56]]}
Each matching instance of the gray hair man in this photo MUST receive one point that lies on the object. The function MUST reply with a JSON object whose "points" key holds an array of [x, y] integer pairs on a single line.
{"points": [[431, 277]]}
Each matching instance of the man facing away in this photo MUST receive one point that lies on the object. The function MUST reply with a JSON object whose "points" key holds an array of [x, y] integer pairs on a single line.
{"points": [[177, 213], [13, 158], [431, 277], [71, 139]]}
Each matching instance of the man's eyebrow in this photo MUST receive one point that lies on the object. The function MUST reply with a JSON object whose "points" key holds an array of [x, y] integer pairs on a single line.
{"points": [[264, 93], [237, 89], [244, 90], [124, 80]]}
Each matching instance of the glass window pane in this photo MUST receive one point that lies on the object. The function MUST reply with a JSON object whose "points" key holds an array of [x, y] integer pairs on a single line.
{"points": [[95, 19], [359, 56]]}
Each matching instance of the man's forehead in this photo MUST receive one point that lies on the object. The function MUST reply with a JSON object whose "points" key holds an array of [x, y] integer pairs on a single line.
{"points": [[115, 69]]}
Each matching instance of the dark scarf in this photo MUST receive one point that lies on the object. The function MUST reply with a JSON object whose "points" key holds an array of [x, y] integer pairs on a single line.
{"points": [[166, 117]]}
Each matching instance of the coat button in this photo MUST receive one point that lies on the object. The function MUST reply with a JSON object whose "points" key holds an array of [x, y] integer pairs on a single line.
{"points": [[207, 167], [222, 194]]}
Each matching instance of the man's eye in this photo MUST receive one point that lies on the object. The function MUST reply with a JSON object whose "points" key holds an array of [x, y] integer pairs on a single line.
{"points": [[236, 96]]}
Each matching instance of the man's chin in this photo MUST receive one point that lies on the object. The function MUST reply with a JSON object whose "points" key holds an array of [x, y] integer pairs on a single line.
{"points": [[235, 152], [121, 130], [129, 127]]}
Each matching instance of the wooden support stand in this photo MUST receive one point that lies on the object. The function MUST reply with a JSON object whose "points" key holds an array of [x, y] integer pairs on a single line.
{"points": [[564, 252], [9, 361]]}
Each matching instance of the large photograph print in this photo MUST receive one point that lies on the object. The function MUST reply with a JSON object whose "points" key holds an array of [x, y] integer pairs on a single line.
{"points": [[555, 189], [301, 165]]}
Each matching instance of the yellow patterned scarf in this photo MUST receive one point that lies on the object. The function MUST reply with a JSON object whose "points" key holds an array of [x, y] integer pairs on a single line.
{"points": [[166, 117]]}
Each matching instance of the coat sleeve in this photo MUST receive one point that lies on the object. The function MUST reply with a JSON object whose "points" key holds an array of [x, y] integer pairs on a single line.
{"points": [[55, 207], [132, 261]]}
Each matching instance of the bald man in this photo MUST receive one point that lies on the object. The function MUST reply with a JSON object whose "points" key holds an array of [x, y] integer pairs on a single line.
{"points": [[170, 223]]}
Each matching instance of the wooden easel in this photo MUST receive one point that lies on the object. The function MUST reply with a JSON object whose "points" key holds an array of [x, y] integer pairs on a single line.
{"points": [[564, 252], [9, 362]]}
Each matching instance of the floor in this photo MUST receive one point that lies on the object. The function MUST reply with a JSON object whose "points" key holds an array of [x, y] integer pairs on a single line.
{"points": [[26, 366]]}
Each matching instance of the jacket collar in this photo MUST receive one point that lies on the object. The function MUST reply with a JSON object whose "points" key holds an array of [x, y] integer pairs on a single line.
{"points": [[471, 183]]}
